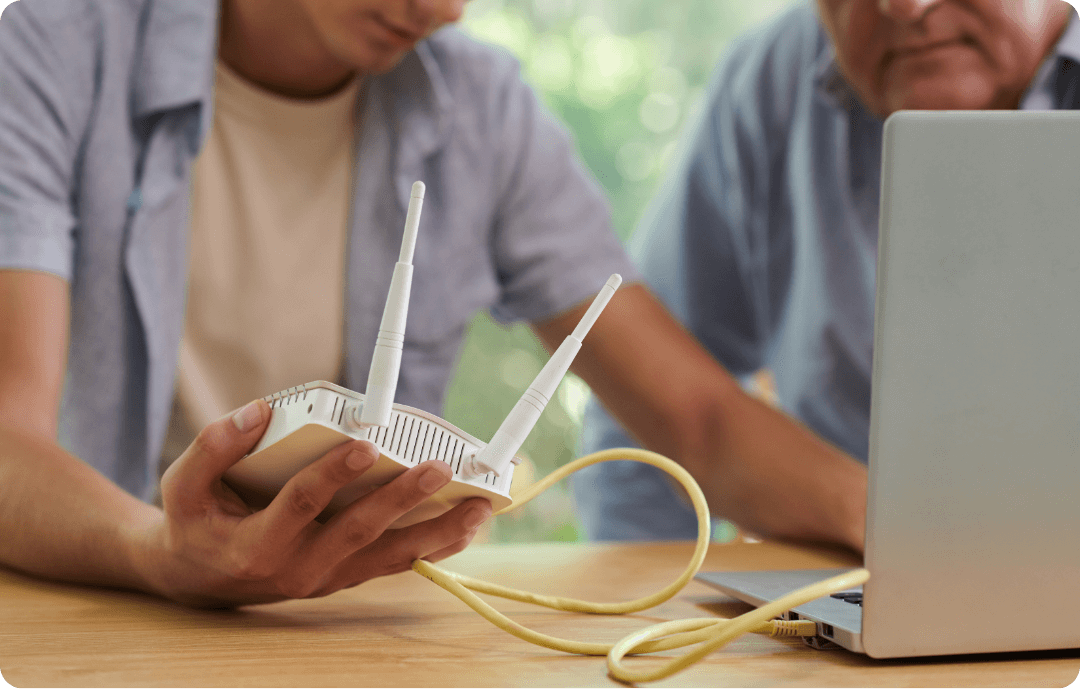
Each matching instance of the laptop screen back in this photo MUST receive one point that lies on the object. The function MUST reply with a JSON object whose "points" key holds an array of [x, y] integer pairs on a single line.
{"points": [[973, 521]]}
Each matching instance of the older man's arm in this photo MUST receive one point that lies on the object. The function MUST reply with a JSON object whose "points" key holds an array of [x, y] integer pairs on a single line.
{"points": [[757, 467]]}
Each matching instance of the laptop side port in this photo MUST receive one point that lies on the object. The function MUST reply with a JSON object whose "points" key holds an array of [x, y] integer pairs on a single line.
{"points": [[821, 641]]}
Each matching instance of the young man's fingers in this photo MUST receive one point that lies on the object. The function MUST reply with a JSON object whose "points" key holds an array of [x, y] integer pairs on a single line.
{"points": [[308, 493], [428, 537], [265, 545], [218, 446], [433, 536], [364, 521], [395, 550], [449, 550]]}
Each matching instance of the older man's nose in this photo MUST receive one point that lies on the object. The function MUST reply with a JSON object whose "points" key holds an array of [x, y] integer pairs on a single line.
{"points": [[906, 10]]}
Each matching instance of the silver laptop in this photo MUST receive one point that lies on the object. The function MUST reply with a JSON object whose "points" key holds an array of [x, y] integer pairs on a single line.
{"points": [[973, 517]]}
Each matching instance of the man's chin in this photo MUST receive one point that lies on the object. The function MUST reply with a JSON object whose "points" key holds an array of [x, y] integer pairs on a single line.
{"points": [[372, 62], [963, 92]]}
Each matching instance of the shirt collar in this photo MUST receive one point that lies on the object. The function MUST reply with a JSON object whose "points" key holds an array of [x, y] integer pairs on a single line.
{"points": [[1054, 81], [1068, 46], [175, 62], [414, 104], [828, 81], [832, 86], [417, 98]]}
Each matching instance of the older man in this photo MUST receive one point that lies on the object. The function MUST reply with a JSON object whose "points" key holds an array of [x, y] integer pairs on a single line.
{"points": [[764, 240]]}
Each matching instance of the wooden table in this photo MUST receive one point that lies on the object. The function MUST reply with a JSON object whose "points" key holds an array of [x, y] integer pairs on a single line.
{"points": [[405, 631]]}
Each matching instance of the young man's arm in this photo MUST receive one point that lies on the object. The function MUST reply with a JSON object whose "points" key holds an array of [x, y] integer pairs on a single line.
{"points": [[62, 519], [757, 467], [42, 489]]}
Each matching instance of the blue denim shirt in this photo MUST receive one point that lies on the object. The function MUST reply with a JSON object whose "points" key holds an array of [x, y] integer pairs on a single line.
{"points": [[764, 243], [103, 106]]}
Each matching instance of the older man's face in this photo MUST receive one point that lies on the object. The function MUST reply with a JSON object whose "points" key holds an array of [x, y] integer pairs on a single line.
{"points": [[941, 54]]}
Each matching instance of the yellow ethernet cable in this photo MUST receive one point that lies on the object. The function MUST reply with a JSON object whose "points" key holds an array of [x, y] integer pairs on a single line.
{"points": [[708, 634]]}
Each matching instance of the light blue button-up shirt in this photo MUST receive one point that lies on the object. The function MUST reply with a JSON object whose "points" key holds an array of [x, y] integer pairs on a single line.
{"points": [[764, 243], [103, 106]]}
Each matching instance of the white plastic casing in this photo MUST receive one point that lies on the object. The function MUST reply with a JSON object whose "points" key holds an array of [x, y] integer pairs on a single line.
{"points": [[308, 421]]}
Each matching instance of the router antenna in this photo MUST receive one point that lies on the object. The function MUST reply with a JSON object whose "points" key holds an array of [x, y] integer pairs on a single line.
{"points": [[386, 361], [496, 456]]}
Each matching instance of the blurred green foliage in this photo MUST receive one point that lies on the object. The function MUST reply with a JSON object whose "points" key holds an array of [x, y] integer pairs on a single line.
{"points": [[625, 76]]}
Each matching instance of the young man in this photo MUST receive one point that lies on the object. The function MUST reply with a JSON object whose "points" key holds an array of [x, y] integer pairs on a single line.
{"points": [[297, 205], [764, 241]]}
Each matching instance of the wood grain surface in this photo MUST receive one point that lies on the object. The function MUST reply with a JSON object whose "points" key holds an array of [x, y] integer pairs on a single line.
{"points": [[404, 631]]}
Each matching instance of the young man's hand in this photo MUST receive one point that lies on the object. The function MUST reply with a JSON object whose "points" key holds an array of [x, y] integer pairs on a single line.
{"points": [[211, 549]]}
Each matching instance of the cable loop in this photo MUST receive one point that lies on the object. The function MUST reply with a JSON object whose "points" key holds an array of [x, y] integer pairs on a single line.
{"points": [[708, 633]]}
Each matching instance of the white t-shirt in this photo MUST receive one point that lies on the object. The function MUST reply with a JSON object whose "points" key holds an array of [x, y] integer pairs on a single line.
{"points": [[269, 220]]}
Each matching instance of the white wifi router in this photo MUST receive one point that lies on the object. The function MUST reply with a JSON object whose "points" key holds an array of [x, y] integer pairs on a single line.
{"points": [[308, 421]]}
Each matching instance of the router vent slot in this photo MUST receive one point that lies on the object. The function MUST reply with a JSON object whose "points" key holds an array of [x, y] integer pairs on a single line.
{"points": [[406, 436], [440, 453], [414, 442], [395, 437], [381, 434], [286, 396], [399, 424], [424, 454], [417, 441]]}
